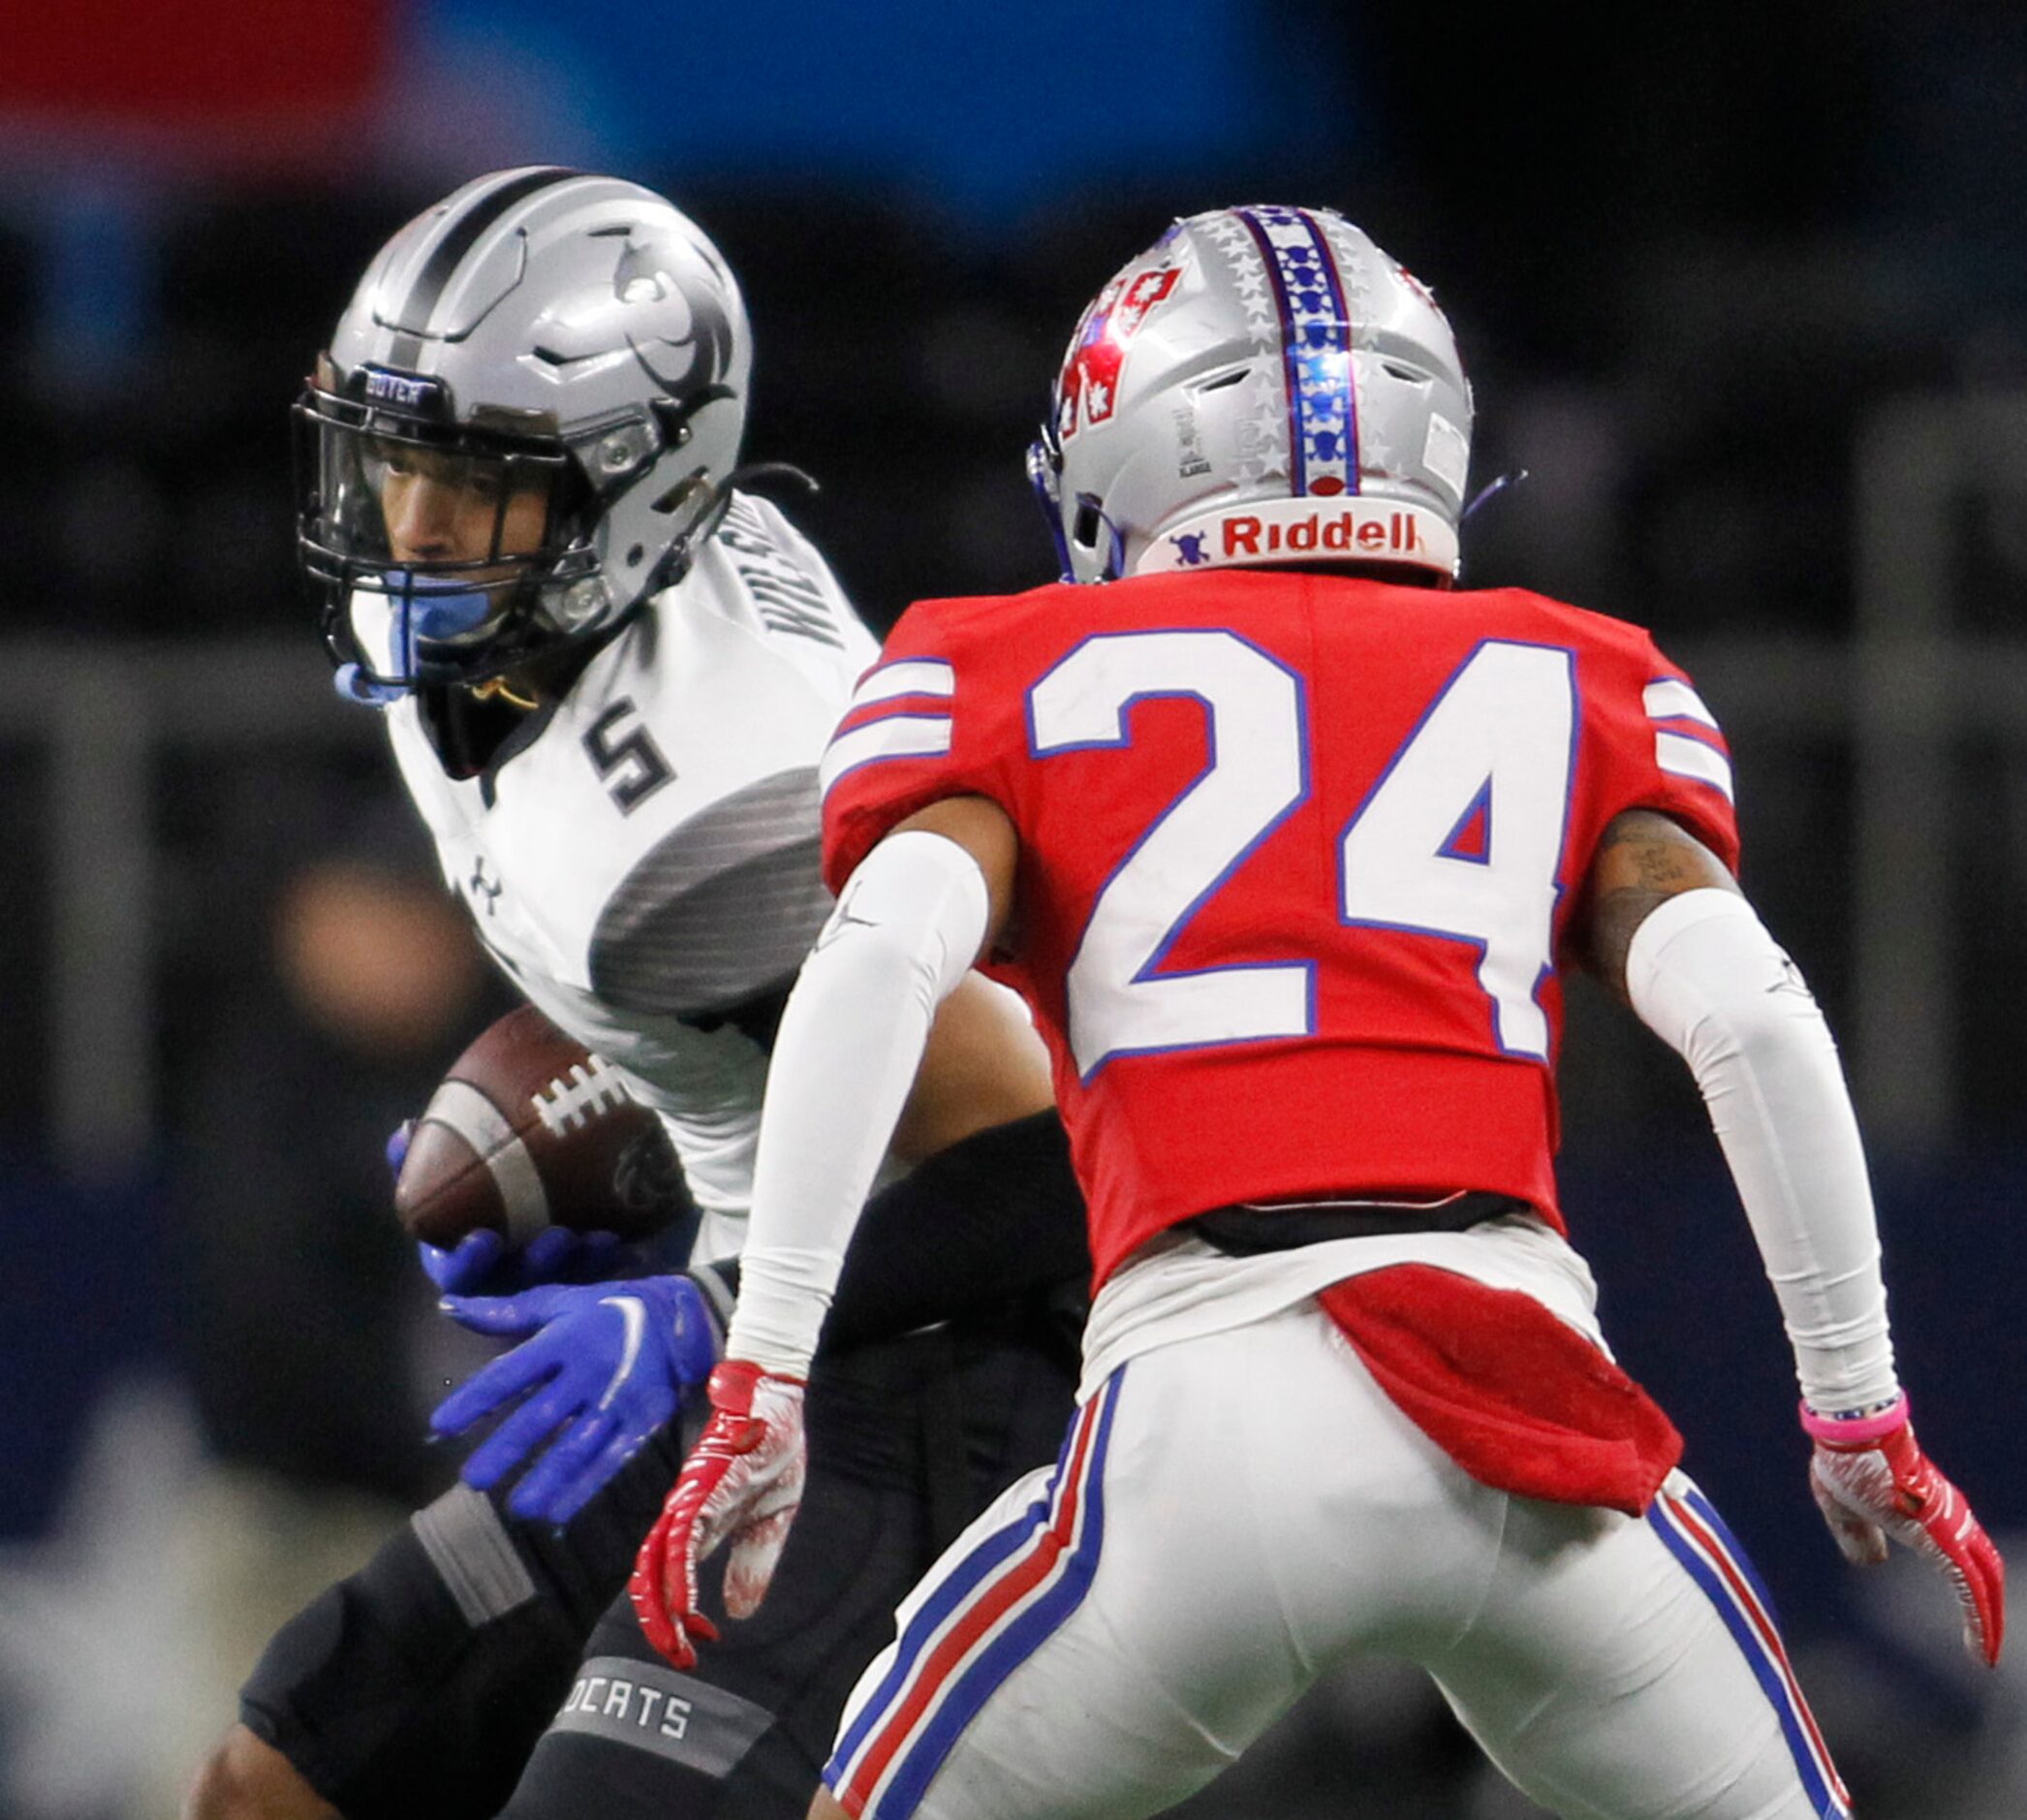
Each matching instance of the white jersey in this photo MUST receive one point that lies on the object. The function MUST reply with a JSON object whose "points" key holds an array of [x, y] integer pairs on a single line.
{"points": [[643, 858]]}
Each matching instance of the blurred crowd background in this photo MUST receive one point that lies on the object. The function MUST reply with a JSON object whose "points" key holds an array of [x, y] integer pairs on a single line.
{"points": [[1743, 291]]}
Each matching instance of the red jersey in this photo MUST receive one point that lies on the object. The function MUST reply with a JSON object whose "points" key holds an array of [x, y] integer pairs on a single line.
{"points": [[1298, 859]]}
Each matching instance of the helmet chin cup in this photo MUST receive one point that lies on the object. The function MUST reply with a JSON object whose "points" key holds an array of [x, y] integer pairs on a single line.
{"points": [[419, 612], [437, 609]]}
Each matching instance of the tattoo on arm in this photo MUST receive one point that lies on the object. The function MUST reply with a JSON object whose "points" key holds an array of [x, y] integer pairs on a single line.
{"points": [[1642, 860]]}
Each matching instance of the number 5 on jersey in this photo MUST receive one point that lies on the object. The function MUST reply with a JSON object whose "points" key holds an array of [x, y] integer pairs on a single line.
{"points": [[1460, 837], [629, 763]]}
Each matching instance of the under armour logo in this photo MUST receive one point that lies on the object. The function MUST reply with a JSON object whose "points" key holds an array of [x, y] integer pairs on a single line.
{"points": [[480, 886]]}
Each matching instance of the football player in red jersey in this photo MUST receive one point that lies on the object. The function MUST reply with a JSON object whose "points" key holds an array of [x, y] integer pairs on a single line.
{"points": [[1289, 840]]}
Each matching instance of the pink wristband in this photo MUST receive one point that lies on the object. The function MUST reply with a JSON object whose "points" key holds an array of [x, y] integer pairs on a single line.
{"points": [[1857, 1431]]}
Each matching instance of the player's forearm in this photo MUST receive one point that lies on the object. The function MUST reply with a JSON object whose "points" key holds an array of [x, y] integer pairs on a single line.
{"points": [[907, 928], [1705, 975]]}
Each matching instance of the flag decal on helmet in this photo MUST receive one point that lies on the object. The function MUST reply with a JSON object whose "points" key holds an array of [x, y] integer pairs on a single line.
{"points": [[1316, 342], [1089, 388]]}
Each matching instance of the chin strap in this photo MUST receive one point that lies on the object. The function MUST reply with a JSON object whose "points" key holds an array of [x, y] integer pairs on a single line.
{"points": [[1115, 551], [769, 471], [1044, 463], [1492, 490], [499, 689], [420, 607], [353, 685]]}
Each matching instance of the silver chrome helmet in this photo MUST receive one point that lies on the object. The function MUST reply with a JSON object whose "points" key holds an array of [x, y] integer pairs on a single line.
{"points": [[570, 347], [1262, 385]]}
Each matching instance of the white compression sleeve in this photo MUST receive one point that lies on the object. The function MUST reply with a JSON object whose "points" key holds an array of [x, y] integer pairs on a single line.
{"points": [[905, 931], [1707, 978]]}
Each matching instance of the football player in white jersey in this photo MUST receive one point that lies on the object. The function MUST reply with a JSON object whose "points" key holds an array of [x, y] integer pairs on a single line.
{"points": [[608, 676]]}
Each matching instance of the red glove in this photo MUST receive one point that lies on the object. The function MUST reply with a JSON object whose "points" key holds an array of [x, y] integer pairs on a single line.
{"points": [[743, 1480], [1872, 1483]]}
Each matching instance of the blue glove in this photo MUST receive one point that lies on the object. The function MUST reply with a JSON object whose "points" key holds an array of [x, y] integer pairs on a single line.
{"points": [[482, 1262], [608, 1364]]}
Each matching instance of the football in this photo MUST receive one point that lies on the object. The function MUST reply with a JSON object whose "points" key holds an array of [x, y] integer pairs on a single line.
{"points": [[530, 1129]]}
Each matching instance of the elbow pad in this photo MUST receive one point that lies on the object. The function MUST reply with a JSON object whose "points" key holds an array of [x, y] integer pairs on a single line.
{"points": [[1707, 978]]}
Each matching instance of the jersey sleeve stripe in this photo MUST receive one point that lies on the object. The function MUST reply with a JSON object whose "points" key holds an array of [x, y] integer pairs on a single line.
{"points": [[925, 707], [1683, 757], [899, 736], [1669, 698], [913, 676]]}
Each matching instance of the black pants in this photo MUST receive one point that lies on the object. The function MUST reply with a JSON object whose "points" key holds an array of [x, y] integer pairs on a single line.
{"points": [[452, 1674]]}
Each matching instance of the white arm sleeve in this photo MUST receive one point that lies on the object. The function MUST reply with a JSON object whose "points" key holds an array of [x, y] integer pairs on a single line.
{"points": [[1707, 978], [905, 931]]}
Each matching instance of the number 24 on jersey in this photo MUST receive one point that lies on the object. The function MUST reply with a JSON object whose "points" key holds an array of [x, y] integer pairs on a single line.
{"points": [[1497, 736]]}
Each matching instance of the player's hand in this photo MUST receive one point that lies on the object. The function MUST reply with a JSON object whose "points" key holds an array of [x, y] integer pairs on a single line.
{"points": [[608, 1364], [482, 1262], [1874, 1484], [742, 1481]]}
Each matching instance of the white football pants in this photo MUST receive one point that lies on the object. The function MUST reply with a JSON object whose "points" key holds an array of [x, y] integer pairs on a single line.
{"points": [[1237, 1514]]}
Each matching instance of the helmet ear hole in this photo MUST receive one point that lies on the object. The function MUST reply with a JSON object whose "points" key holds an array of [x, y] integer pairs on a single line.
{"points": [[1085, 526], [683, 492]]}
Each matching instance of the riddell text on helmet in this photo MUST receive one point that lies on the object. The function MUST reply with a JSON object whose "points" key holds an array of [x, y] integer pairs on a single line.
{"points": [[1396, 534]]}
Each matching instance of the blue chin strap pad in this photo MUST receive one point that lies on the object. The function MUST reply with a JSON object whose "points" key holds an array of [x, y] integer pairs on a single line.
{"points": [[437, 607], [426, 609], [356, 686]]}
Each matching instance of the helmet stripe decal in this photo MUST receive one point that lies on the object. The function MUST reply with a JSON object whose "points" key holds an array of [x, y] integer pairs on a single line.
{"points": [[458, 237], [1341, 457], [1316, 343]]}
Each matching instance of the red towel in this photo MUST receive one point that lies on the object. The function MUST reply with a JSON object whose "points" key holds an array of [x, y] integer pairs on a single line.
{"points": [[1519, 1399]]}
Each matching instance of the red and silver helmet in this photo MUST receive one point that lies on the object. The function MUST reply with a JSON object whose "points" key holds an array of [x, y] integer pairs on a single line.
{"points": [[1262, 385], [538, 331]]}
